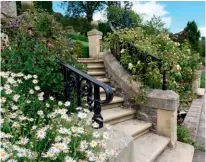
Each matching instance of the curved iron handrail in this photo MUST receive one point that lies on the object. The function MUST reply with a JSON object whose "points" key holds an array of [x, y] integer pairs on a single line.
{"points": [[141, 55], [108, 90], [73, 79]]}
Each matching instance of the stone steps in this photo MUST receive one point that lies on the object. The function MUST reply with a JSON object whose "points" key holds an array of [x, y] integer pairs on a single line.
{"points": [[81, 59], [144, 146], [97, 74], [104, 80], [134, 127], [91, 62], [148, 147], [116, 102], [117, 115], [92, 68], [181, 153]]}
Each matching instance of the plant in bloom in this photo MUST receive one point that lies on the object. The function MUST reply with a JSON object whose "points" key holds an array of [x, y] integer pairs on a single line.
{"points": [[35, 128], [179, 61]]}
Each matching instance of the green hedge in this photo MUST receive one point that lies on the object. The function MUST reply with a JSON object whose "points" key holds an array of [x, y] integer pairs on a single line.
{"points": [[81, 49], [78, 37]]}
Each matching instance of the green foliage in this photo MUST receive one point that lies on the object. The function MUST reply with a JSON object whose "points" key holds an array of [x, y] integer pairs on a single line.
{"points": [[179, 61], [81, 49], [104, 28], [78, 37], [37, 129], [116, 16], [44, 5], [154, 26], [183, 135], [202, 81], [83, 8], [35, 48], [202, 47], [79, 24], [193, 35]]}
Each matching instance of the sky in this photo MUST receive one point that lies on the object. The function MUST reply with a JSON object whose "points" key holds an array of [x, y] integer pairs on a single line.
{"points": [[175, 14]]}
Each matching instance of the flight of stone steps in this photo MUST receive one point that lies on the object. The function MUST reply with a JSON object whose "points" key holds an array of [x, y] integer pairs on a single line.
{"points": [[147, 146]]}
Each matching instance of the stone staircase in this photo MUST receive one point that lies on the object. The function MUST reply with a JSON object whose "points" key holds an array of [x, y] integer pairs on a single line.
{"points": [[148, 146]]}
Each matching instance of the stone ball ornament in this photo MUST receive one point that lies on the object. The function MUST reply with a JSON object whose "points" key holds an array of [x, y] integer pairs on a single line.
{"points": [[94, 24]]}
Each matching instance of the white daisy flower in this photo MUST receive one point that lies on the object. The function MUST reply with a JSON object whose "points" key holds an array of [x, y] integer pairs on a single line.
{"points": [[67, 103], [35, 81], [16, 97], [37, 88], [41, 134]]}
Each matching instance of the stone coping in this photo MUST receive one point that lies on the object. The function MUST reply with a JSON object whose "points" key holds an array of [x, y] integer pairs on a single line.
{"points": [[120, 75], [94, 32], [162, 99]]}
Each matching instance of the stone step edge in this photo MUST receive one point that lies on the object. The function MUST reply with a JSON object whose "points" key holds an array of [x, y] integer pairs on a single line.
{"points": [[182, 152], [91, 61], [95, 67], [90, 58], [96, 73], [125, 114], [140, 129], [159, 149], [117, 100]]}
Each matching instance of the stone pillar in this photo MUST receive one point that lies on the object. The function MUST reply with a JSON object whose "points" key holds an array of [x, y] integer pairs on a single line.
{"points": [[94, 37], [8, 9], [196, 81], [166, 103], [27, 5]]}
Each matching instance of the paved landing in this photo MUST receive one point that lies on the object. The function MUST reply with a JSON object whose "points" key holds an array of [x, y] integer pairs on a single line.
{"points": [[199, 156]]}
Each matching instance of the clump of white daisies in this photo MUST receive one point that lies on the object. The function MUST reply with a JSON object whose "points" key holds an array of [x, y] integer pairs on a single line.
{"points": [[37, 129]]}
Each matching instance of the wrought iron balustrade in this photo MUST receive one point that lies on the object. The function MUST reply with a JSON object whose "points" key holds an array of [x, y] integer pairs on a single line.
{"points": [[86, 86], [141, 55]]}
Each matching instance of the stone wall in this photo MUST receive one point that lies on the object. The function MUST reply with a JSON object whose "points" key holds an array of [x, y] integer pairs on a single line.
{"points": [[121, 80], [8, 9], [148, 114], [160, 107]]}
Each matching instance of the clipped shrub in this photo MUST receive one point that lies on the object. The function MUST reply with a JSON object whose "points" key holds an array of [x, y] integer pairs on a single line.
{"points": [[81, 49], [78, 37]]}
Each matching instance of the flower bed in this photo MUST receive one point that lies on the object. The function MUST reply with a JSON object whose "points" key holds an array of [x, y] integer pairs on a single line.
{"points": [[179, 61], [37, 129]]}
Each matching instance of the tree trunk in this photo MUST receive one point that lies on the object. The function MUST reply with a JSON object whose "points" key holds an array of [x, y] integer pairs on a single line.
{"points": [[89, 17]]}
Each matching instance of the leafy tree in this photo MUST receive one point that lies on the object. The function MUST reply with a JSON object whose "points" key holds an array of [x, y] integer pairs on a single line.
{"points": [[83, 8], [193, 35], [154, 26], [123, 17], [45, 5], [202, 46], [114, 3]]}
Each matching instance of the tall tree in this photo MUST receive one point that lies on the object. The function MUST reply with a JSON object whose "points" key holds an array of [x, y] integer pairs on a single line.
{"points": [[114, 3], [83, 8], [122, 17], [202, 46], [154, 26], [193, 35]]}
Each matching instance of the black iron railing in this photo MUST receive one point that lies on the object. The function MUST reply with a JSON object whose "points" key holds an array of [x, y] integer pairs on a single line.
{"points": [[144, 57], [86, 86]]}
